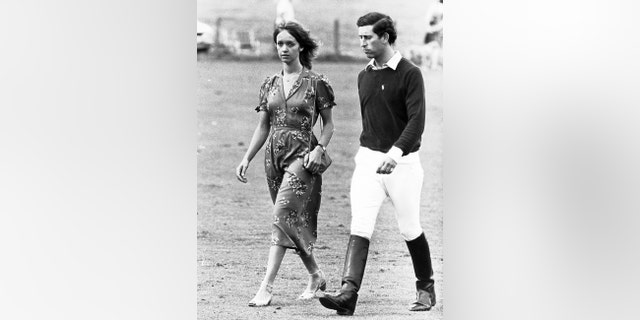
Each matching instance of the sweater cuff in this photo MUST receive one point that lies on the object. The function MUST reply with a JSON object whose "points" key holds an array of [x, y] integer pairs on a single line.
{"points": [[395, 153]]}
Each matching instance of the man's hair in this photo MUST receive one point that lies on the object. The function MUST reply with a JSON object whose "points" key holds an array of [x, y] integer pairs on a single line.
{"points": [[303, 38], [381, 23]]}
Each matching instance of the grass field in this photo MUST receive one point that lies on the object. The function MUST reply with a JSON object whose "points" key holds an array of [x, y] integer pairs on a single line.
{"points": [[234, 218]]}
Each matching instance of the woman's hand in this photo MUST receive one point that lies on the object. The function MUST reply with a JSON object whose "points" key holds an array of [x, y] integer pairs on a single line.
{"points": [[241, 170], [313, 160]]}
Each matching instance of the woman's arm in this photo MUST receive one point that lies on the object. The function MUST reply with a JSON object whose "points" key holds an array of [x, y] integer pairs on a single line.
{"points": [[257, 140], [327, 127], [315, 157]]}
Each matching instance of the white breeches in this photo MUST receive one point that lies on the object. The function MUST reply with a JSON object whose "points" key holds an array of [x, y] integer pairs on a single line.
{"points": [[369, 189]]}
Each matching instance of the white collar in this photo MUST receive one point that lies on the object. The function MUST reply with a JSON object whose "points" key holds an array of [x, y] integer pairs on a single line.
{"points": [[392, 63]]}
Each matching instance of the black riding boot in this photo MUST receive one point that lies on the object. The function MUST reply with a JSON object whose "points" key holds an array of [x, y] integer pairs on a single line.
{"points": [[421, 258], [354, 262]]}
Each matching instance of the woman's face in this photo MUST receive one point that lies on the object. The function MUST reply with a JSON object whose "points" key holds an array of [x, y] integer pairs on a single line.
{"points": [[288, 48]]}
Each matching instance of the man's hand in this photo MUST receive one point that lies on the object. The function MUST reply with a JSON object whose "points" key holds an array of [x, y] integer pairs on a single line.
{"points": [[387, 166]]}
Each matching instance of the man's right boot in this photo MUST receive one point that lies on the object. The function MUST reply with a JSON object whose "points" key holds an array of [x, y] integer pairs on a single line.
{"points": [[354, 262]]}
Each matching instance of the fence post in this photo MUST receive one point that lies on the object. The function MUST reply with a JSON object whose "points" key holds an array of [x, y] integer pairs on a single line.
{"points": [[336, 37], [217, 39]]}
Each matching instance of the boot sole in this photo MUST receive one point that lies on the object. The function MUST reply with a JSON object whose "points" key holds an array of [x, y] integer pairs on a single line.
{"points": [[334, 306], [421, 307]]}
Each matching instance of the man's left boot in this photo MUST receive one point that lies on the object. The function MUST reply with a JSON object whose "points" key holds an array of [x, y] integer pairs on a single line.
{"points": [[421, 258]]}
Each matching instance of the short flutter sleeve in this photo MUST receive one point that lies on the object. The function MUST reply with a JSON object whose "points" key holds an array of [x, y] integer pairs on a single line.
{"points": [[264, 92], [324, 94]]}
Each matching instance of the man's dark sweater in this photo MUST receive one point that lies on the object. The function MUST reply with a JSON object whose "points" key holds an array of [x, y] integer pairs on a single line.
{"points": [[392, 104]]}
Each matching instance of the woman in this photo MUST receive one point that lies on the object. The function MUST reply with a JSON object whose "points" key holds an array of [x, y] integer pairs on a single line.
{"points": [[290, 103]]}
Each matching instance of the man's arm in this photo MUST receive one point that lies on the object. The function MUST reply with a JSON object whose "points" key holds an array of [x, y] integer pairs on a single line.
{"points": [[416, 106], [415, 102]]}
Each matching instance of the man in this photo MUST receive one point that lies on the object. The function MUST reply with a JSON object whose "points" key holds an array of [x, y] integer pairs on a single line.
{"points": [[434, 23], [392, 103], [433, 37]]}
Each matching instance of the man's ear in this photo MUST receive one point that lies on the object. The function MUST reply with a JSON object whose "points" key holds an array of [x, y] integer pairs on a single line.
{"points": [[385, 37]]}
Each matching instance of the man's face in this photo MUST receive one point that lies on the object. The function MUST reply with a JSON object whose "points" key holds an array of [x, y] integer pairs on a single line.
{"points": [[372, 45]]}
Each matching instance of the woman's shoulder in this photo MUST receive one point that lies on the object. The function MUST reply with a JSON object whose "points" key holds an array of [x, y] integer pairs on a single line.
{"points": [[318, 76], [273, 76], [268, 80]]}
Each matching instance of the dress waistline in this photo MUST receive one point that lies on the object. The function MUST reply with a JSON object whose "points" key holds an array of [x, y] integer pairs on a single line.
{"points": [[273, 128]]}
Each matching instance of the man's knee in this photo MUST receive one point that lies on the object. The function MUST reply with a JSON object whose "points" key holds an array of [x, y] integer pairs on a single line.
{"points": [[362, 233], [411, 233], [363, 222]]}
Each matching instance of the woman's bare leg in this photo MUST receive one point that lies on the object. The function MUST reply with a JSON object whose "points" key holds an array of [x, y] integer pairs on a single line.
{"points": [[263, 296], [316, 277]]}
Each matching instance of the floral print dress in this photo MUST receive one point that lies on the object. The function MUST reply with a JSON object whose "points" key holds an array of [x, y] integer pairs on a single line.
{"points": [[294, 191]]}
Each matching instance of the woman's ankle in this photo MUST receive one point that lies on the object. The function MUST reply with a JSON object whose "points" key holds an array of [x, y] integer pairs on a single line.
{"points": [[316, 275], [265, 286]]}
